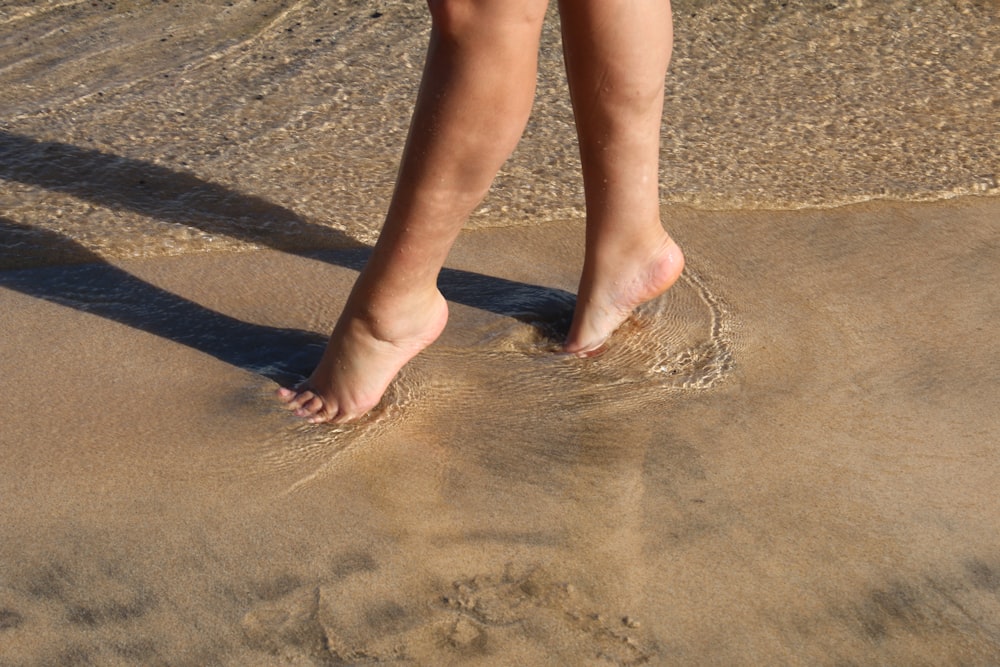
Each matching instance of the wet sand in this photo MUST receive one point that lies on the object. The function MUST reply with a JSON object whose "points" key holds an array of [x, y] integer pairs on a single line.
{"points": [[789, 458]]}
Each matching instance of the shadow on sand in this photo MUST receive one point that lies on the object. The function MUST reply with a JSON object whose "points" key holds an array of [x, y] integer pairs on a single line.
{"points": [[121, 183]]}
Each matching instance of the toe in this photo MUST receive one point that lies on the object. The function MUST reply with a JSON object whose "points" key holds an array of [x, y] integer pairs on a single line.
{"points": [[324, 414], [310, 407], [299, 399]]}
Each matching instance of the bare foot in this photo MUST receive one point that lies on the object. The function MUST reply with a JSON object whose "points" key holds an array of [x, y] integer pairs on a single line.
{"points": [[364, 354], [609, 294]]}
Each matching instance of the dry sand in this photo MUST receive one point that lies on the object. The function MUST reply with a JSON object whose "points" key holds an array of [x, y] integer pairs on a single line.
{"points": [[792, 457]]}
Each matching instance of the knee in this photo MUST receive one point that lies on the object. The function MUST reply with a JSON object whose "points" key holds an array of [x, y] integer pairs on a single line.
{"points": [[453, 17], [459, 20]]}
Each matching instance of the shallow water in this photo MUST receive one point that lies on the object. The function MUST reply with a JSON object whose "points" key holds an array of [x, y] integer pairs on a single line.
{"points": [[143, 129]]}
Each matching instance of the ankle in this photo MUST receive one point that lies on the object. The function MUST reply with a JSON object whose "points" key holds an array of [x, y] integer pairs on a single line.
{"points": [[397, 315], [623, 253]]}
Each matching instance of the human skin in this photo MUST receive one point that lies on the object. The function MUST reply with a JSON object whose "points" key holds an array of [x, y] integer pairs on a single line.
{"points": [[474, 100]]}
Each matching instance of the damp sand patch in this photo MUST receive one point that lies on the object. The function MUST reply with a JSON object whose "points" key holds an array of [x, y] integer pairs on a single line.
{"points": [[831, 495]]}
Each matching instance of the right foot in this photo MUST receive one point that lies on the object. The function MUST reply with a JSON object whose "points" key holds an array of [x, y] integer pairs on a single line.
{"points": [[608, 295], [364, 354]]}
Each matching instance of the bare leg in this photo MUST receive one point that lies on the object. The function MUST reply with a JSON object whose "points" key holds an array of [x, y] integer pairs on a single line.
{"points": [[473, 104], [617, 52]]}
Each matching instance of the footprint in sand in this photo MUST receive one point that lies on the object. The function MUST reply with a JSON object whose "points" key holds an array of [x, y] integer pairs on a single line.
{"points": [[527, 614]]}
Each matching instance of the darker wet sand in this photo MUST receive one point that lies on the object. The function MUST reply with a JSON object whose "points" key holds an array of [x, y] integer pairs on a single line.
{"points": [[790, 458]]}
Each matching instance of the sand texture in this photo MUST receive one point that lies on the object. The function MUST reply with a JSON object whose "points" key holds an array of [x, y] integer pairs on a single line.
{"points": [[790, 458], [188, 126]]}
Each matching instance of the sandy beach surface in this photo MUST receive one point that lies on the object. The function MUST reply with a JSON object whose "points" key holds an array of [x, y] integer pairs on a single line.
{"points": [[792, 457]]}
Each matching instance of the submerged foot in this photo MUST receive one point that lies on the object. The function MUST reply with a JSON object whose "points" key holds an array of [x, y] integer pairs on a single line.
{"points": [[364, 354], [609, 294]]}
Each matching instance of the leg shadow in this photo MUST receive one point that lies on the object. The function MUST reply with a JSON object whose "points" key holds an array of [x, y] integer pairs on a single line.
{"points": [[121, 183], [283, 355], [152, 190]]}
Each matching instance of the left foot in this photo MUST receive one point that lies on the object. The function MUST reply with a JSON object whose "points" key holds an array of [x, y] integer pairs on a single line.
{"points": [[365, 352], [608, 297]]}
